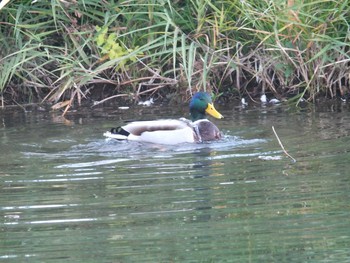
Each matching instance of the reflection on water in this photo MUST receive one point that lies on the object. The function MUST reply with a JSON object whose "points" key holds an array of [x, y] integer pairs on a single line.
{"points": [[67, 194]]}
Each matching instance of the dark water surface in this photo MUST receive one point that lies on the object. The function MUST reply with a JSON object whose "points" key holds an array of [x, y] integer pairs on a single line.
{"points": [[69, 195]]}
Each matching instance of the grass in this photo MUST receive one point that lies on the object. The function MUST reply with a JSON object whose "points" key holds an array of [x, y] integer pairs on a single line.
{"points": [[64, 53]]}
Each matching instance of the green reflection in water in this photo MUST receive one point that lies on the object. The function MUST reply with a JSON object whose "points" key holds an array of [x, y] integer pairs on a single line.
{"points": [[69, 195]]}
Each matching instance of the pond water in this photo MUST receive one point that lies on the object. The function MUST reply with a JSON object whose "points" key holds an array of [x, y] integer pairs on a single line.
{"points": [[70, 195]]}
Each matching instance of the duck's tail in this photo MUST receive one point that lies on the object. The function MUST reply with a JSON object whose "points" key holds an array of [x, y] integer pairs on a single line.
{"points": [[117, 133]]}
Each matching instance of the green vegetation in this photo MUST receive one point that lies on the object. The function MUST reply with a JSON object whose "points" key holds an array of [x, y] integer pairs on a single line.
{"points": [[62, 52]]}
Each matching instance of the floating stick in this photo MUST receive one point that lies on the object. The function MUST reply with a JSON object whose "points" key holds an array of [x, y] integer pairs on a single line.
{"points": [[280, 143]]}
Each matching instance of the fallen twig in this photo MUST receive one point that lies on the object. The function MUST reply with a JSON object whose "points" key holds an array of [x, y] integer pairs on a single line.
{"points": [[280, 143]]}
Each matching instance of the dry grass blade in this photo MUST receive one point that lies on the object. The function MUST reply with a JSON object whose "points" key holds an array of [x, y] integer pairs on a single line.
{"points": [[3, 3], [280, 143], [294, 49]]}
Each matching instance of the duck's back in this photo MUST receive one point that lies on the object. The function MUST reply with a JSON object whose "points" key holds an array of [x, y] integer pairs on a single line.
{"points": [[159, 131]]}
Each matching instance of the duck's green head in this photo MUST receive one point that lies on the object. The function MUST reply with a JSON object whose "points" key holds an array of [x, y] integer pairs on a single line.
{"points": [[201, 104]]}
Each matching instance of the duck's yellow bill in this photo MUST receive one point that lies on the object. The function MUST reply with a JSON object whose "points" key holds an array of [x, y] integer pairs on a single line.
{"points": [[213, 112]]}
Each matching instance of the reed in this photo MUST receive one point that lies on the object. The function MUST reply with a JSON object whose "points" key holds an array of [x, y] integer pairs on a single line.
{"points": [[60, 51]]}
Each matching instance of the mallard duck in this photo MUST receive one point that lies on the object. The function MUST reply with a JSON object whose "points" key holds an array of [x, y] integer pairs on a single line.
{"points": [[174, 131]]}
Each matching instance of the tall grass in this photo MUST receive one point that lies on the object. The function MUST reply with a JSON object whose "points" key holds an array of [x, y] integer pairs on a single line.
{"points": [[62, 52]]}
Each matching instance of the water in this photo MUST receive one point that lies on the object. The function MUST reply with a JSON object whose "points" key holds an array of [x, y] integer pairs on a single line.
{"points": [[69, 195]]}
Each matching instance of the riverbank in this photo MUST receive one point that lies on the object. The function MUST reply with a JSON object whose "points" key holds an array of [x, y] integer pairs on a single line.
{"points": [[65, 54]]}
